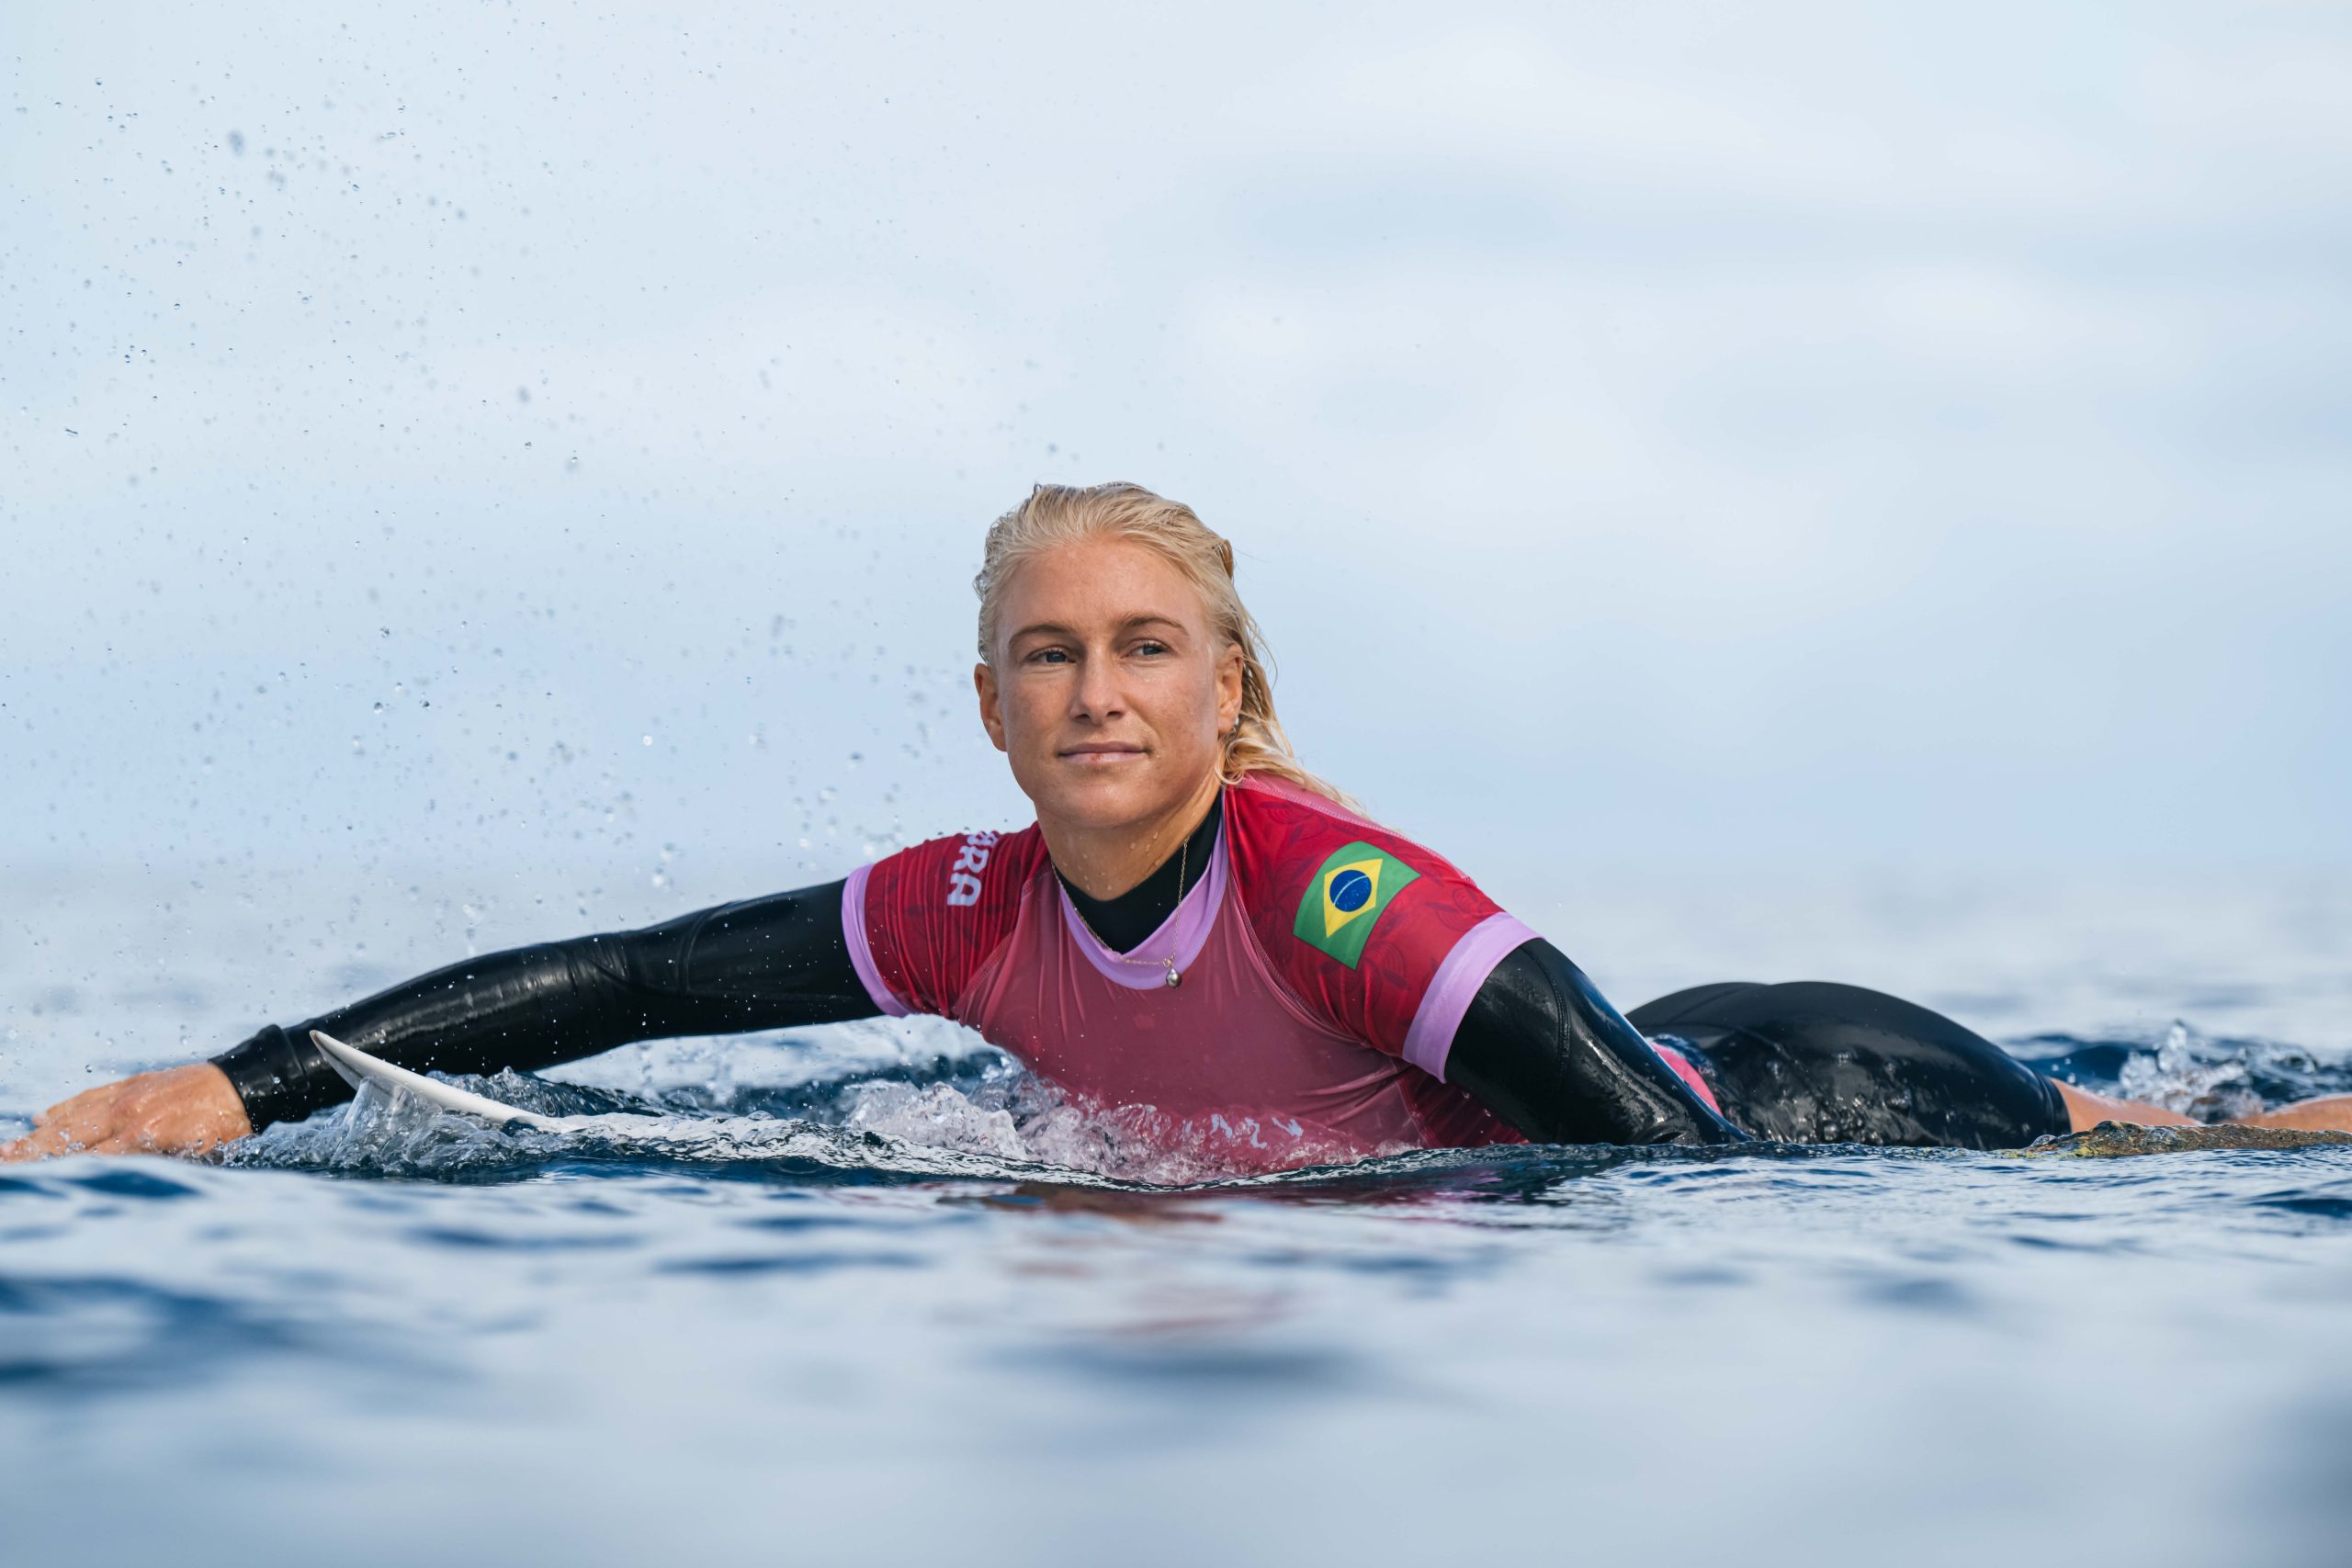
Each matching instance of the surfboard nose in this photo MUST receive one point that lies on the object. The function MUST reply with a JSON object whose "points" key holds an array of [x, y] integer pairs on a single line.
{"points": [[358, 1067]]}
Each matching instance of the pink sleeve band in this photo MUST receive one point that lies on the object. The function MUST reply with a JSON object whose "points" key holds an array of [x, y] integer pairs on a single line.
{"points": [[1687, 1073], [1484, 945], [861, 955]]}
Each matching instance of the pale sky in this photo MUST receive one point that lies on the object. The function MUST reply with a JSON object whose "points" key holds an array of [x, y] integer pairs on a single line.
{"points": [[1839, 433]]}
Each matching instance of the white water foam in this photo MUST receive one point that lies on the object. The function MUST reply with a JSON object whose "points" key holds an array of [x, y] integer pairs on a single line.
{"points": [[2187, 1073], [1008, 1127]]}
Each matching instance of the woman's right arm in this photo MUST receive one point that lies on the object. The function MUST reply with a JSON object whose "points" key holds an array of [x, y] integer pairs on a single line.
{"points": [[779, 962]]}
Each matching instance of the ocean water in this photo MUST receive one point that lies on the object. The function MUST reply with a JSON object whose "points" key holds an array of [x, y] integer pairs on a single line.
{"points": [[865, 1295]]}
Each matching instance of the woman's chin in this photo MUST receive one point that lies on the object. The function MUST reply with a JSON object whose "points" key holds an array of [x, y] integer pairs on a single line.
{"points": [[1106, 800]]}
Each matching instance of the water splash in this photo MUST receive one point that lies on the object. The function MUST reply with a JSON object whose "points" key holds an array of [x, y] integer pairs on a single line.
{"points": [[979, 1116], [391, 1133], [2209, 1077], [2210, 1080], [959, 1117]]}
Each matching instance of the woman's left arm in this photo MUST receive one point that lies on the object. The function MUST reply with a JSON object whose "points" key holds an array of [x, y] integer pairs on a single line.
{"points": [[1547, 1051]]}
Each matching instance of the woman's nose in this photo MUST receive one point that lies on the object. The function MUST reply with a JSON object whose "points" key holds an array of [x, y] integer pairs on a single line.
{"points": [[1098, 696]]}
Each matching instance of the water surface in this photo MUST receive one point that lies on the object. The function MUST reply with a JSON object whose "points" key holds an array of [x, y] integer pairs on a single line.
{"points": [[843, 1298]]}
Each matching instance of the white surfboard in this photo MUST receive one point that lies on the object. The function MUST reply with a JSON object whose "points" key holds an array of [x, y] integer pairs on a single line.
{"points": [[357, 1068]]}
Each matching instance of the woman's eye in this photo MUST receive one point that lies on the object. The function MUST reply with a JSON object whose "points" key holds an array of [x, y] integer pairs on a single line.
{"points": [[1151, 648]]}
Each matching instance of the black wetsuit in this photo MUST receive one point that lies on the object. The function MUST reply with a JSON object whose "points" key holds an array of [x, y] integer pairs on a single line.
{"points": [[1539, 1044], [1816, 1062]]}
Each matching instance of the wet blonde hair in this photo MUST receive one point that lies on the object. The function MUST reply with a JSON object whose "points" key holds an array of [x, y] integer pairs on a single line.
{"points": [[1061, 515]]}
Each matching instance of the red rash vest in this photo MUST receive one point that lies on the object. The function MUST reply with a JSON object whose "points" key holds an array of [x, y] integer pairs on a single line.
{"points": [[1324, 961]]}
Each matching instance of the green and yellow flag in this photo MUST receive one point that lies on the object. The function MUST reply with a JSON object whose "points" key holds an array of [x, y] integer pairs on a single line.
{"points": [[1344, 901]]}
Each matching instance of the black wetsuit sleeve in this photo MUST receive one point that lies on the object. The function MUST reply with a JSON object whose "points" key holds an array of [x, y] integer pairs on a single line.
{"points": [[774, 962], [1542, 1048]]}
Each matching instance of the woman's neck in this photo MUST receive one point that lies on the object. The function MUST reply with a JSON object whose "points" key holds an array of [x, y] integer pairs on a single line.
{"points": [[1125, 922], [1103, 863]]}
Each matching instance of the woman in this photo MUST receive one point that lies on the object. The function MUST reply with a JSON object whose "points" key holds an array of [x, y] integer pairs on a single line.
{"points": [[1196, 933]]}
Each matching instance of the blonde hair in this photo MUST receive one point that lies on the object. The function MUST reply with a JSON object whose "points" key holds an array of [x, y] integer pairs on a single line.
{"points": [[1061, 515]]}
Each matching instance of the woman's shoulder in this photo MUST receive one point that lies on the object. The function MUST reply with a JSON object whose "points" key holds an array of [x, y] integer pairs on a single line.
{"points": [[919, 922], [1358, 922], [1287, 837], [1273, 808], [962, 870]]}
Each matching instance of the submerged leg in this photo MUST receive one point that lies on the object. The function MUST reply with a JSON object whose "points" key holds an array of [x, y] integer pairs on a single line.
{"points": [[2087, 1109], [2328, 1112]]}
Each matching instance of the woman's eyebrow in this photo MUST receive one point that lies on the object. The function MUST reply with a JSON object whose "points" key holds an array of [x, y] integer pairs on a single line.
{"points": [[1055, 628], [1042, 628]]}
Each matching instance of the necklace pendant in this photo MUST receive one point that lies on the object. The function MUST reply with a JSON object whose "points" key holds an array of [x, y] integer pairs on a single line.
{"points": [[1174, 979]]}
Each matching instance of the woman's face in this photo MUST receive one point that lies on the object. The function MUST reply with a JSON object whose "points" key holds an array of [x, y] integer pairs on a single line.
{"points": [[1110, 693]]}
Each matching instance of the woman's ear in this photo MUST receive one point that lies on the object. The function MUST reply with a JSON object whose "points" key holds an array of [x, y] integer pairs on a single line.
{"points": [[1228, 689], [991, 711]]}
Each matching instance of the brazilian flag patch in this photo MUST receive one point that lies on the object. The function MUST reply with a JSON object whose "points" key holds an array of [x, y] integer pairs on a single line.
{"points": [[1344, 901]]}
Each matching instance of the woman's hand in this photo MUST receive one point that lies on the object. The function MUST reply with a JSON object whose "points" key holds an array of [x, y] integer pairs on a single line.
{"points": [[180, 1111]]}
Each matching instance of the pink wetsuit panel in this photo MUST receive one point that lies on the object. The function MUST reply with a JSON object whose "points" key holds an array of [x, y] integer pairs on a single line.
{"points": [[1688, 1074]]}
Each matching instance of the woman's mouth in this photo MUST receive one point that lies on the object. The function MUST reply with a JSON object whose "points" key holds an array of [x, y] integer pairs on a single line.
{"points": [[1100, 753]]}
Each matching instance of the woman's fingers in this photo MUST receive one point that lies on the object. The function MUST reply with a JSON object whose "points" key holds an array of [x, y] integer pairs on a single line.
{"points": [[72, 1106], [57, 1136]]}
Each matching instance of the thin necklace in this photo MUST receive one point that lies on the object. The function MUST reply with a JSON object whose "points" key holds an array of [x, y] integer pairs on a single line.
{"points": [[1174, 979]]}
